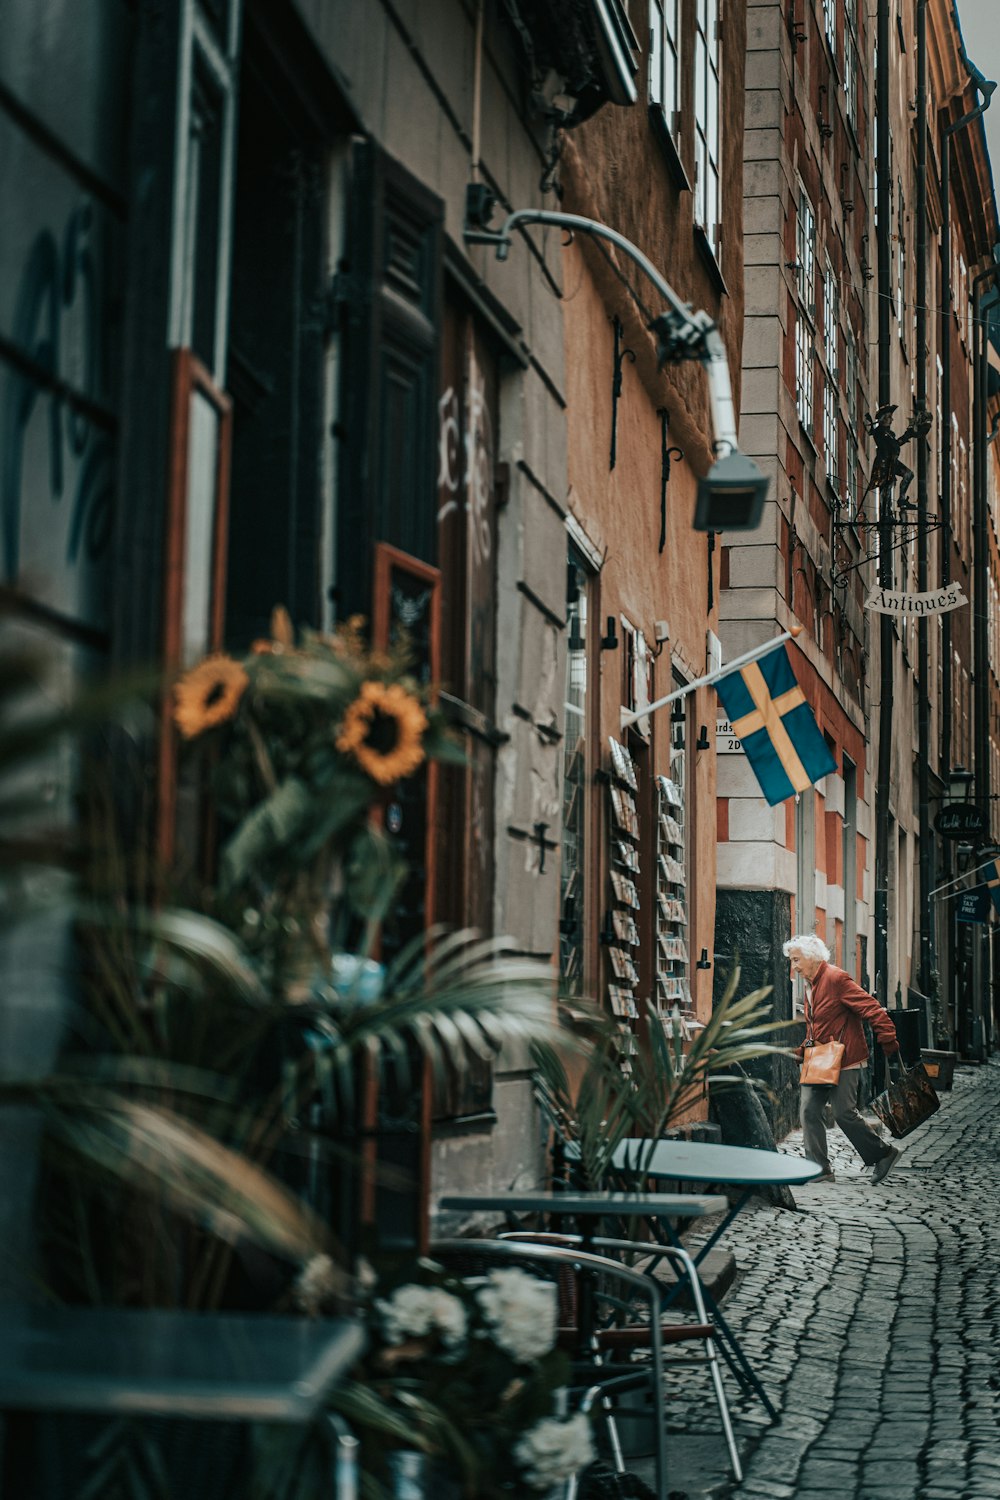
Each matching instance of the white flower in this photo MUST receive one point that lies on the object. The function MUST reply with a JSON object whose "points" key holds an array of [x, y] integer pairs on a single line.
{"points": [[523, 1312], [553, 1450], [415, 1311], [316, 1284]]}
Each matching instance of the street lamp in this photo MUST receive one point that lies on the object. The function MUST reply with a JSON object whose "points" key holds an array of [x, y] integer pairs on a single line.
{"points": [[960, 784], [731, 495]]}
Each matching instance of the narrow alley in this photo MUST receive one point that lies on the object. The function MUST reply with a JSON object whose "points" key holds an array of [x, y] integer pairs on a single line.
{"points": [[872, 1317]]}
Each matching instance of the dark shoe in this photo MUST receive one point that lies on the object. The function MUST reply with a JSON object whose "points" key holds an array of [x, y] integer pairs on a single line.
{"points": [[885, 1164]]}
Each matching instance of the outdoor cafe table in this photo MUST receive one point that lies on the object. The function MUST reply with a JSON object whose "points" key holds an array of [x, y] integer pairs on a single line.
{"points": [[717, 1166]]}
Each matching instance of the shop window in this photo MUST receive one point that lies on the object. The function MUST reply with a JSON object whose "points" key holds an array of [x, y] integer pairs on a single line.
{"points": [[467, 420]]}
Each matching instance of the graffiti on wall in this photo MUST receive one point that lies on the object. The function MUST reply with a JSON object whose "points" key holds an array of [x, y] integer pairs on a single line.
{"points": [[56, 436]]}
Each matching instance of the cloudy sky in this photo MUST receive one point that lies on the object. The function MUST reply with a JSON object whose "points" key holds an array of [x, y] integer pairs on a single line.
{"points": [[982, 42]]}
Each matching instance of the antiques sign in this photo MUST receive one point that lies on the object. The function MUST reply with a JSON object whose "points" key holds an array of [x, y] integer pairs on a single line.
{"points": [[885, 602]]}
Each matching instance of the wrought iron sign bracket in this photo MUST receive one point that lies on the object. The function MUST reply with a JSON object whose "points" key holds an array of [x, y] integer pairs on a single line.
{"points": [[840, 576], [621, 355], [667, 452]]}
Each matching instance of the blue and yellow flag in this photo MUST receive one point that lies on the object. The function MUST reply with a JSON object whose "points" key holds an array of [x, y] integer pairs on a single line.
{"points": [[991, 878], [775, 725]]}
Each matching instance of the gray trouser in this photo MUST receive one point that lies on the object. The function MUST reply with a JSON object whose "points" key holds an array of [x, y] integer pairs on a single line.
{"points": [[844, 1100]]}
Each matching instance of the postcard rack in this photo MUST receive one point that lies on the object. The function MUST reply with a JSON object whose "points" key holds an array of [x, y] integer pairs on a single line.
{"points": [[621, 927], [673, 987]]}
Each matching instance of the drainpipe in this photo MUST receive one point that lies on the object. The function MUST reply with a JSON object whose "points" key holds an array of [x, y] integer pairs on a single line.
{"points": [[980, 537], [886, 631], [926, 872], [985, 89]]}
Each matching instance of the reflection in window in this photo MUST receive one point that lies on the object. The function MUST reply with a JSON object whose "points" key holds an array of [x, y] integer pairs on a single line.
{"points": [[571, 924]]}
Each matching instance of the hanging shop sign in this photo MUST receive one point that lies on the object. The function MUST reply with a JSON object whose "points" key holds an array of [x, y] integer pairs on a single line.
{"points": [[886, 602], [960, 820], [974, 905]]}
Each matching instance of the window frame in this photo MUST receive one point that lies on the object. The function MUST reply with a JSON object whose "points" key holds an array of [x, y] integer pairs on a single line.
{"points": [[708, 131]]}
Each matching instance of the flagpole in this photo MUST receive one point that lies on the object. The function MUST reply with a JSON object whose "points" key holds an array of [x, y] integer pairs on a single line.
{"points": [[629, 718], [964, 876]]}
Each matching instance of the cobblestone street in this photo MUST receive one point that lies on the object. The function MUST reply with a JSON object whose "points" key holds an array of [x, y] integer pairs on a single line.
{"points": [[873, 1318]]}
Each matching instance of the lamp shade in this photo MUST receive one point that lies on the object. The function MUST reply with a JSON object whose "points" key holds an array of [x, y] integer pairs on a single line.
{"points": [[731, 495], [959, 783]]}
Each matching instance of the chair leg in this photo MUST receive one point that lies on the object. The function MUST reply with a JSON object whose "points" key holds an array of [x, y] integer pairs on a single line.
{"points": [[723, 1405]]}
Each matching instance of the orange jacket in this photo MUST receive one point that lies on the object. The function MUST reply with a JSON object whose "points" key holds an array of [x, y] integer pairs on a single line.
{"points": [[835, 1009]]}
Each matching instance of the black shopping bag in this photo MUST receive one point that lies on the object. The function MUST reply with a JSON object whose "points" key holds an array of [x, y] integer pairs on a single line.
{"points": [[909, 1100]]}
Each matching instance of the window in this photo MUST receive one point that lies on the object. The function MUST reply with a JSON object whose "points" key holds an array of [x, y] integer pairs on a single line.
{"points": [[831, 316], [851, 360], [938, 427], [573, 870], [664, 62], [830, 430], [804, 373], [830, 24], [707, 195], [900, 256], [805, 253], [850, 74]]}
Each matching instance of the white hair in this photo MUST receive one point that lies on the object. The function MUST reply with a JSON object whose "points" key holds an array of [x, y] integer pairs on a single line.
{"points": [[809, 945]]}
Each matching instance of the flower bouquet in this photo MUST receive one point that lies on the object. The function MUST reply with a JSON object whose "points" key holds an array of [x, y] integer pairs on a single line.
{"points": [[466, 1370], [307, 739]]}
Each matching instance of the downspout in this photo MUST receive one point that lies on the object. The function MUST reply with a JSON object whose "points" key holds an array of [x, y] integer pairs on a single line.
{"points": [[926, 870], [985, 88], [886, 631]]}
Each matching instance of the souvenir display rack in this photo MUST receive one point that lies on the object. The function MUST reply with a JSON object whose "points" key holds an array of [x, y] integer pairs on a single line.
{"points": [[673, 987], [621, 927]]}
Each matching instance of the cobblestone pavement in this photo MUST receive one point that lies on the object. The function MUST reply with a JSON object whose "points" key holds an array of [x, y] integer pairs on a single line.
{"points": [[873, 1319]]}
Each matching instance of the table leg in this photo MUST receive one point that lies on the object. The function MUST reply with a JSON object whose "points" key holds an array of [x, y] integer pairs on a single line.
{"points": [[731, 1348]]}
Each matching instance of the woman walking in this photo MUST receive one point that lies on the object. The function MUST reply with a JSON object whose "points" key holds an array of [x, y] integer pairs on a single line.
{"points": [[835, 1008]]}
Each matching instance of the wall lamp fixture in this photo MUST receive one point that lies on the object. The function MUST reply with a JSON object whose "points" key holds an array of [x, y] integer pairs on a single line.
{"points": [[731, 495]]}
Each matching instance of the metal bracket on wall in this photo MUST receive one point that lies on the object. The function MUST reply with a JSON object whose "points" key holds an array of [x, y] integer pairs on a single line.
{"points": [[621, 354], [667, 452], [841, 576], [711, 571]]}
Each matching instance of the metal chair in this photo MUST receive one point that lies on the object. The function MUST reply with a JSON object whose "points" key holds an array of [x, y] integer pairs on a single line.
{"points": [[599, 1379], [638, 1336]]}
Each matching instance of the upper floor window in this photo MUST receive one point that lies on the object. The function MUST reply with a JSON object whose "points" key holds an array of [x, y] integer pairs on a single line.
{"points": [[850, 74], [804, 372], [830, 23], [805, 253], [708, 194], [831, 314], [664, 62]]}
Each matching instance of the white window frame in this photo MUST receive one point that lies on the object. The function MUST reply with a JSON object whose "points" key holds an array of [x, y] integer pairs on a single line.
{"points": [[707, 123], [804, 372], [830, 430], [851, 69], [831, 315], [805, 253], [830, 24], [665, 62]]}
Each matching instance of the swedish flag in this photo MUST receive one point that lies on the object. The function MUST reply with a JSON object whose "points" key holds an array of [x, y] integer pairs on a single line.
{"points": [[770, 716], [991, 876]]}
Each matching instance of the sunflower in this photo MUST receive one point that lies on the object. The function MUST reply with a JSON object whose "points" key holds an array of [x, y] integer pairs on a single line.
{"points": [[208, 695], [383, 729]]}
